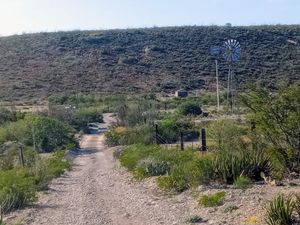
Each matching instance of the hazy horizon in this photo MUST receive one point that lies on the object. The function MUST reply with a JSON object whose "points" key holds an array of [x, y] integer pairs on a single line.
{"points": [[31, 16], [133, 28]]}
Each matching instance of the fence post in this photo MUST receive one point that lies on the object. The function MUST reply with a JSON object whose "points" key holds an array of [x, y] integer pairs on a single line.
{"points": [[156, 134], [181, 141], [203, 140], [253, 126], [21, 155]]}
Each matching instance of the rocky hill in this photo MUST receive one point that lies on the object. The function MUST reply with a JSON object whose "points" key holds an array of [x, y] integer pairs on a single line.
{"points": [[34, 66]]}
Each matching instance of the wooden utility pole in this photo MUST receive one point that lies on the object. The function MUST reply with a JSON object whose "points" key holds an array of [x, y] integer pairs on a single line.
{"points": [[217, 81]]}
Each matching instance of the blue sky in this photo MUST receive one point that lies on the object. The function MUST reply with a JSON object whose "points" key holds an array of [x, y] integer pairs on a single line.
{"points": [[17, 16]]}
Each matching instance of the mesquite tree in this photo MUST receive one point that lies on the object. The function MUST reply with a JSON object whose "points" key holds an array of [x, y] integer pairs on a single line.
{"points": [[277, 119]]}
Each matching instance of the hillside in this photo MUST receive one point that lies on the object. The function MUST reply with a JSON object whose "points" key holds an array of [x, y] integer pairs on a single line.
{"points": [[34, 66]]}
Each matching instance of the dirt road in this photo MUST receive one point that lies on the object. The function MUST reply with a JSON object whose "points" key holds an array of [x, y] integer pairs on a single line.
{"points": [[98, 192]]}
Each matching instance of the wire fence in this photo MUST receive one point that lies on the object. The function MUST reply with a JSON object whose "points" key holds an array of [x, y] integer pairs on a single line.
{"points": [[200, 145]]}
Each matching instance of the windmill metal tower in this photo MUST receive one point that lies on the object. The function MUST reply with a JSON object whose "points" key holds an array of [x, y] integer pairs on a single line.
{"points": [[232, 53]]}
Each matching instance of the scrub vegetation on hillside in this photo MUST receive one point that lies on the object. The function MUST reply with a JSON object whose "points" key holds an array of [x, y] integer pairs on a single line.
{"points": [[34, 66]]}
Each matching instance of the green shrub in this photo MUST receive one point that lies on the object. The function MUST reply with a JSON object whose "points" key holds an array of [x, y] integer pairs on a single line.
{"points": [[205, 166], [133, 154], [189, 108], [193, 172], [171, 126], [49, 133], [114, 137], [171, 183], [179, 179], [280, 210], [30, 156], [278, 165], [242, 182], [150, 165], [47, 169], [187, 165], [84, 116], [138, 111], [153, 166], [178, 173], [164, 182], [212, 200], [63, 113], [16, 131], [20, 115], [169, 129], [16, 189], [8, 157], [277, 120], [140, 134], [185, 168], [195, 219], [58, 164], [227, 134], [5, 115], [139, 173]]}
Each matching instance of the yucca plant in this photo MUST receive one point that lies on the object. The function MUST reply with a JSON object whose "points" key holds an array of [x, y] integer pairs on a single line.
{"points": [[280, 210], [229, 165], [259, 162], [297, 204]]}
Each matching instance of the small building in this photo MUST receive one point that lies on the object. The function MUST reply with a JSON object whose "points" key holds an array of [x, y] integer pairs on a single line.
{"points": [[181, 93]]}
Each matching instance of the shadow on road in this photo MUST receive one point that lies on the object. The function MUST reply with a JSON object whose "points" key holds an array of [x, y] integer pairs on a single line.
{"points": [[85, 151]]}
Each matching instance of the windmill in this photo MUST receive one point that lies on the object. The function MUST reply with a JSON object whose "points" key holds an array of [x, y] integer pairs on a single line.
{"points": [[215, 52], [232, 53]]}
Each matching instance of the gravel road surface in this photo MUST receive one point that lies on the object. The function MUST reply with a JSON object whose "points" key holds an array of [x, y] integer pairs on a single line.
{"points": [[98, 192]]}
